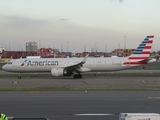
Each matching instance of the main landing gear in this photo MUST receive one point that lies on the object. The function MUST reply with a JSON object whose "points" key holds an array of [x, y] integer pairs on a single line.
{"points": [[19, 76], [77, 76]]}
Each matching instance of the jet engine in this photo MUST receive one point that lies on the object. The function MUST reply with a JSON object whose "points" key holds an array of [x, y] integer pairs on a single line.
{"points": [[59, 72]]}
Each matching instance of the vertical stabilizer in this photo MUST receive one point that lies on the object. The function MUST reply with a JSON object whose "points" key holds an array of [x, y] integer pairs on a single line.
{"points": [[142, 53]]}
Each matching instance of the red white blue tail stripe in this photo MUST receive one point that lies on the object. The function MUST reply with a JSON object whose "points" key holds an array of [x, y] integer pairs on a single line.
{"points": [[141, 54]]}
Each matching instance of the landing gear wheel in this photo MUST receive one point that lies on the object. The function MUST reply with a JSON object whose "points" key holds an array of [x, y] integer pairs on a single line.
{"points": [[19, 77], [77, 76]]}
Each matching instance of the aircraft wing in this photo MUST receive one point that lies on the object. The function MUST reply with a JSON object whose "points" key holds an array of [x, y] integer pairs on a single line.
{"points": [[145, 60], [153, 59], [77, 67], [149, 60]]}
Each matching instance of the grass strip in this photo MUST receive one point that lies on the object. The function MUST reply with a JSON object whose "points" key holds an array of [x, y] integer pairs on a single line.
{"points": [[64, 88]]}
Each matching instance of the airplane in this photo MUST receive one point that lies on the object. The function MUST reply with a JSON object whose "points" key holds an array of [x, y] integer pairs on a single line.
{"points": [[77, 66]]}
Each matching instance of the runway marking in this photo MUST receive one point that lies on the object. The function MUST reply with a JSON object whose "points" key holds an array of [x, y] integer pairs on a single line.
{"points": [[93, 114], [143, 81], [154, 97], [14, 82]]}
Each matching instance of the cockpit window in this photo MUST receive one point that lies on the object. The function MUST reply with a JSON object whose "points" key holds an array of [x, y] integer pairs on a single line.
{"points": [[9, 63]]}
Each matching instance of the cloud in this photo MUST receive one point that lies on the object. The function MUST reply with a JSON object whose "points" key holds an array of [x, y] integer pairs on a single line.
{"points": [[119, 1], [19, 30], [15, 28], [21, 21], [63, 19]]}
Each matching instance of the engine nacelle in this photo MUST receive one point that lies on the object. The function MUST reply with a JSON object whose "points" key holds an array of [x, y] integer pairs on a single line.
{"points": [[59, 72]]}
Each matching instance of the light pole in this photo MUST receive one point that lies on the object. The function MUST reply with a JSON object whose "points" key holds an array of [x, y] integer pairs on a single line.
{"points": [[9, 46], [61, 48], [67, 46], [124, 42], [39, 44], [19, 47], [95, 47], [125, 45], [105, 48]]}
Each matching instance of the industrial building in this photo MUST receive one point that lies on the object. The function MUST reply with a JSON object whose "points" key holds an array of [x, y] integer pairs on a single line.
{"points": [[32, 50], [31, 46]]}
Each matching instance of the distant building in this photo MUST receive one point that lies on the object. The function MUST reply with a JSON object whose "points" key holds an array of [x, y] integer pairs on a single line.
{"points": [[31, 46], [1, 52], [122, 52]]}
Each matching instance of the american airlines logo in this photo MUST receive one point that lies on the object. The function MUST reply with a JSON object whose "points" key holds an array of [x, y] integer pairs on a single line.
{"points": [[42, 63], [23, 63]]}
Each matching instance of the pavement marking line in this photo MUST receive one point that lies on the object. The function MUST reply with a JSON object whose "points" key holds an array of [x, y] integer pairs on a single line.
{"points": [[154, 97], [143, 81], [93, 114]]}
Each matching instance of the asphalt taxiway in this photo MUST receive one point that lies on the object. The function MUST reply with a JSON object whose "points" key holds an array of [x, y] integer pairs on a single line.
{"points": [[78, 105], [84, 82], [98, 81]]}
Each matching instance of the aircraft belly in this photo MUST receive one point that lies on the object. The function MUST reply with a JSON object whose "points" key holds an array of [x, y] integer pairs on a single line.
{"points": [[106, 68]]}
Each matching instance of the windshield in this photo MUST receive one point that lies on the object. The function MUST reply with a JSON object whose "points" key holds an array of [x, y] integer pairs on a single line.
{"points": [[9, 63]]}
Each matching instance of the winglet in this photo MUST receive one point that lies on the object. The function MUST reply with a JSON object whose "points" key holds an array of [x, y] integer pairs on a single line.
{"points": [[85, 58]]}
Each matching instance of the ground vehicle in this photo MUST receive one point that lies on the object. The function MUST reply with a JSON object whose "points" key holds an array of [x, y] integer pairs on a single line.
{"points": [[139, 116]]}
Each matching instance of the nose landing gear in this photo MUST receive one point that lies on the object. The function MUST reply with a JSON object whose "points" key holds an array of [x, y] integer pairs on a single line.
{"points": [[19, 76]]}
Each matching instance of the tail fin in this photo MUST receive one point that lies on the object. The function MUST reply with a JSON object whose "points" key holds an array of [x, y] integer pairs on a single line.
{"points": [[142, 53]]}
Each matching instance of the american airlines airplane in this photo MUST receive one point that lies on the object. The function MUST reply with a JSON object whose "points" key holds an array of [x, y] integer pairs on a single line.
{"points": [[76, 66]]}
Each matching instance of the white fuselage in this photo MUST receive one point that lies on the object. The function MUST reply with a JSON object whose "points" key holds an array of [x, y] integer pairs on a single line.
{"points": [[102, 64]]}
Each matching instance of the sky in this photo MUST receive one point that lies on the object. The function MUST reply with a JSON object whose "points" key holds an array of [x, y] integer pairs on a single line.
{"points": [[73, 25]]}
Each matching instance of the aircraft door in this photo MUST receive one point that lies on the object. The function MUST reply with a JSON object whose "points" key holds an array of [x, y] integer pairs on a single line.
{"points": [[18, 63], [93, 63]]}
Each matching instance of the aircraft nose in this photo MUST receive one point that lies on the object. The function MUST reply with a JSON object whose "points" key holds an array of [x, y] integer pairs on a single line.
{"points": [[4, 67]]}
